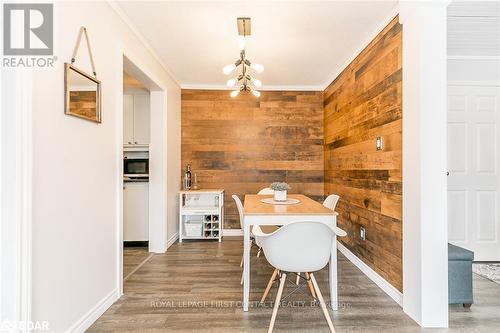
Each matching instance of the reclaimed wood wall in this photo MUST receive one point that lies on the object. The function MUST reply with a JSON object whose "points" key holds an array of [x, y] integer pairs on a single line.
{"points": [[245, 143], [83, 103], [363, 103]]}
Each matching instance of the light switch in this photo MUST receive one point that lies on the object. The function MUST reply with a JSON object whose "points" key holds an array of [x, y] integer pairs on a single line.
{"points": [[378, 143]]}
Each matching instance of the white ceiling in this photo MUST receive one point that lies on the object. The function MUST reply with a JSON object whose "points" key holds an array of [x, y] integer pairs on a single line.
{"points": [[303, 45]]}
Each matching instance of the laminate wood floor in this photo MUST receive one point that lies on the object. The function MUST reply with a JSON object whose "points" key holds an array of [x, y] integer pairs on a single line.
{"points": [[195, 287], [132, 258]]}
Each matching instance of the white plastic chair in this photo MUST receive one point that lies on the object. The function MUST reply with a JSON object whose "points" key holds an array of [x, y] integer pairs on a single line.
{"points": [[266, 190], [331, 201], [239, 205], [302, 246]]}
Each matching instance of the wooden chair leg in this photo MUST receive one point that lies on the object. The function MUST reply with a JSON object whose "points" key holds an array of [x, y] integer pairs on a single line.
{"points": [[241, 262], [297, 281], [258, 252], [322, 303], [269, 285], [277, 303], [242, 276], [311, 287]]}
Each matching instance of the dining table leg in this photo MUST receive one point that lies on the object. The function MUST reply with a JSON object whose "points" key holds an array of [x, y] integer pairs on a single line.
{"points": [[246, 266], [332, 267]]}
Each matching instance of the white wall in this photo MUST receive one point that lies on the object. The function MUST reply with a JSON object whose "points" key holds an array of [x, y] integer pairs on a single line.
{"points": [[76, 167], [425, 254]]}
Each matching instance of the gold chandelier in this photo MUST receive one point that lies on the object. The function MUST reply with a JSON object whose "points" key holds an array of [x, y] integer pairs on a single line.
{"points": [[244, 81]]}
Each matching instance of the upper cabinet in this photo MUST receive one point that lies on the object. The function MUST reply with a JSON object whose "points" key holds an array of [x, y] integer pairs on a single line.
{"points": [[136, 115]]}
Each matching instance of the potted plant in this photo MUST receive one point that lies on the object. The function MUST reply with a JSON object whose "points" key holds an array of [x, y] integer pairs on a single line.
{"points": [[280, 191]]}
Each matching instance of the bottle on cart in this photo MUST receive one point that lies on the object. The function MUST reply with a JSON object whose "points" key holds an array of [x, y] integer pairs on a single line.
{"points": [[187, 177]]}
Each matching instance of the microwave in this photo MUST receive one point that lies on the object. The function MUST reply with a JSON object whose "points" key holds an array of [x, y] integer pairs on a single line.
{"points": [[135, 167]]}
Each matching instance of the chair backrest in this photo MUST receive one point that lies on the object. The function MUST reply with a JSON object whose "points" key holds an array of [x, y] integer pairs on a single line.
{"points": [[302, 246], [266, 190], [239, 205], [331, 201]]}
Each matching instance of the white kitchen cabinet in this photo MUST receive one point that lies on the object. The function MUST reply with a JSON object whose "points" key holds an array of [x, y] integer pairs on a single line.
{"points": [[128, 119], [141, 119], [136, 118], [136, 211]]}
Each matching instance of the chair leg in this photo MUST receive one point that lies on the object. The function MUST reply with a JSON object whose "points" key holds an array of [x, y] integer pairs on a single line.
{"points": [[241, 262], [311, 287], [258, 252], [322, 303], [277, 303], [269, 285], [298, 279], [242, 276]]}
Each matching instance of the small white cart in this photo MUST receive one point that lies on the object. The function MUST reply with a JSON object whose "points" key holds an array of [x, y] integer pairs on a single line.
{"points": [[201, 214]]}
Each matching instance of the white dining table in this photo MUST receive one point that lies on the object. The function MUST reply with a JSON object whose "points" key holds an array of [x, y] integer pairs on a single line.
{"points": [[257, 212]]}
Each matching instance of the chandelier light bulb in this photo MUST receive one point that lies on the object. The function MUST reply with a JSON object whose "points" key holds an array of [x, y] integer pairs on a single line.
{"points": [[257, 67], [231, 82], [257, 83], [234, 93], [256, 93], [228, 69], [242, 42]]}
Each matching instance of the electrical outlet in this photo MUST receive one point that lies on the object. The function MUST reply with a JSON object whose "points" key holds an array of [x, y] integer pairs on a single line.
{"points": [[362, 233]]}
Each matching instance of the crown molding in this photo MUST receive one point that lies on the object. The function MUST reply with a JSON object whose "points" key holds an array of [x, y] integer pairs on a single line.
{"points": [[113, 4], [263, 88], [392, 14]]}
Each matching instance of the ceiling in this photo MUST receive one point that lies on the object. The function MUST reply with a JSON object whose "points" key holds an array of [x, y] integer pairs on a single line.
{"points": [[302, 44]]}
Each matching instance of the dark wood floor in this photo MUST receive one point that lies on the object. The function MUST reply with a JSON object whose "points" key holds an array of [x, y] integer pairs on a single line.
{"points": [[195, 287]]}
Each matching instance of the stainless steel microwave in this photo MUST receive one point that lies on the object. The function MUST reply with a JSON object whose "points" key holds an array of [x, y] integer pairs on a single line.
{"points": [[135, 167]]}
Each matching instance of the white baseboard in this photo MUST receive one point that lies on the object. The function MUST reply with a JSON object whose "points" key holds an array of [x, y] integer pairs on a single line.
{"points": [[172, 239], [93, 314], [393, 293], [232, 232]]}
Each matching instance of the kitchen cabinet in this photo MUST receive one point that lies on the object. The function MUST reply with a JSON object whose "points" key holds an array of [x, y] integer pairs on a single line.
{"points": [[136, 118], [136, 211]]}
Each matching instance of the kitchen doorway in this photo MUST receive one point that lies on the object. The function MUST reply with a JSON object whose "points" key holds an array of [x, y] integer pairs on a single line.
{"points": [[142, 171]]}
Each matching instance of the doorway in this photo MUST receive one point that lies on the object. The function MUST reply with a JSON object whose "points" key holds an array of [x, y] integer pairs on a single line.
{"points": [[142, 172]]}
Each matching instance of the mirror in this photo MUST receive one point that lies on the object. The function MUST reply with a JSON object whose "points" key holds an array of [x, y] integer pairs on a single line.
{"points": [[82, 94]]}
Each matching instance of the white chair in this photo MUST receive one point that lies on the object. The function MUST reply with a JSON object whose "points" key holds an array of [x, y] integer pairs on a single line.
{"points": [[266, 190], [302, 246], [239, 205], [331, 201]]}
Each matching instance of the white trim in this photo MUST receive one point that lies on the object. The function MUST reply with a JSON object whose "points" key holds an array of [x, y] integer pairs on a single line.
{"points": [[388, 288], [16, 197], [475, 83], [232, 232], [93, 314], [471, 57], [195, 86], [172, 239], [370, 37], [141, 38]]}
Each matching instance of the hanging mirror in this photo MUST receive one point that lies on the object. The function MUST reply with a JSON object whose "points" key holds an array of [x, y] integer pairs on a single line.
{"points": [[82, 94]]}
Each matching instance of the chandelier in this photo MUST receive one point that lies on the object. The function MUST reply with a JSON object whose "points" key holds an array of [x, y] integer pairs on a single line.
{"points": [[244, 81]]}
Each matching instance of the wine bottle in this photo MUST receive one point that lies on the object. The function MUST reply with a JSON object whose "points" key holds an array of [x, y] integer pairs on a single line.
{"points": [[188, 176]]}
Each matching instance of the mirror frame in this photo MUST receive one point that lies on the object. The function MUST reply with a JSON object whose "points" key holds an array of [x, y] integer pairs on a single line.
{"points": [[69, 67]]}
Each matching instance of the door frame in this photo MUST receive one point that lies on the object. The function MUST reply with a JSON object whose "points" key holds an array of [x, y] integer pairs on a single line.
{"points": [[157, 224], [16, 197]]}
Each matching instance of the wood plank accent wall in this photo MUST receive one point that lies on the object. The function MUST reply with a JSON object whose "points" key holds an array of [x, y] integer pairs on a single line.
{"points": [[245, 143], [364, 102]]}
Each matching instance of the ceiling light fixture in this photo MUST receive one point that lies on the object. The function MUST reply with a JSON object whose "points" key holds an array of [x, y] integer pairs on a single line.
{"points": [[244, 79]]}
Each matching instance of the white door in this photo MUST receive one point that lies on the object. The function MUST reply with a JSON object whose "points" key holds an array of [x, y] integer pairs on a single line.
{"points": [[136, 211], [473, 159], [141, 119], [128, 119]]}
